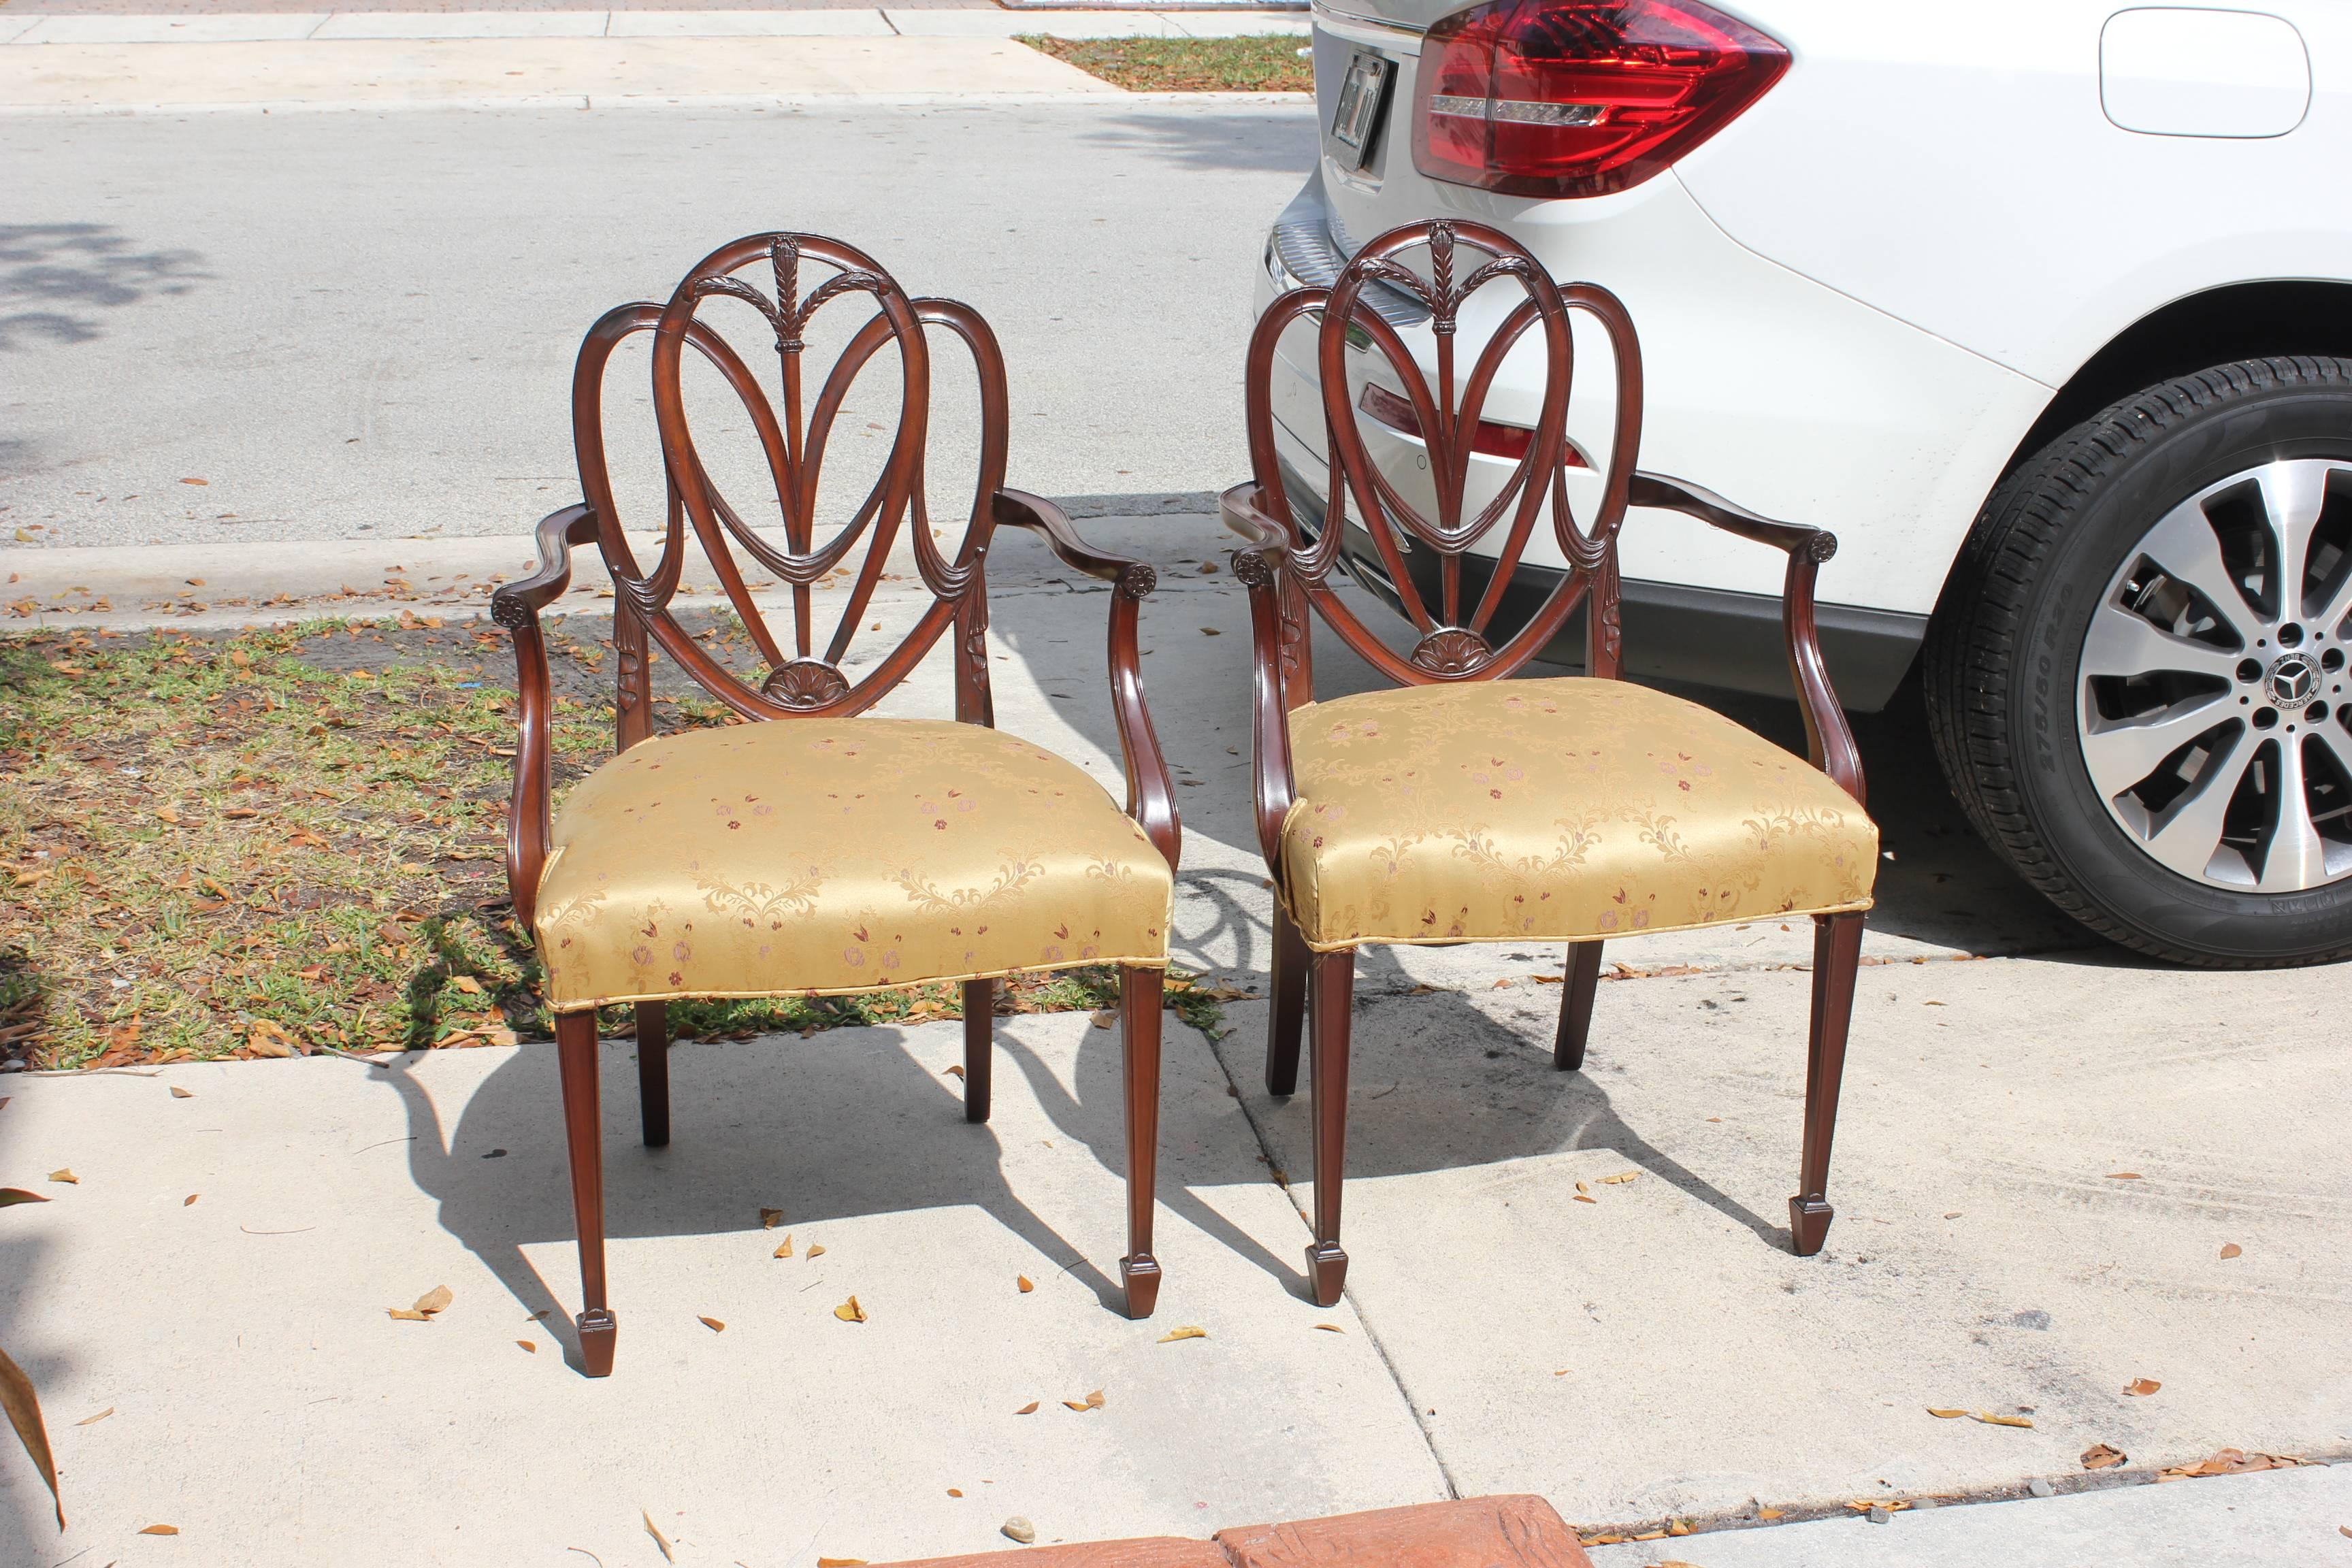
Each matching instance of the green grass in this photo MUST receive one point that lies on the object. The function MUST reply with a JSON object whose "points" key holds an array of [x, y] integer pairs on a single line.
{"points": [[241, 846], [1269, 64]]}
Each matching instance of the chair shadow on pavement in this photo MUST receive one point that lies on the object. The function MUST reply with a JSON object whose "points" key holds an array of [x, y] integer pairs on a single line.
{"points": [[837, 1126]]}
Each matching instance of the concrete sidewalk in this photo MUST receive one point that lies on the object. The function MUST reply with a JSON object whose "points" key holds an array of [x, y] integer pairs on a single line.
{"points": [[284, 61], [1653, 1354]]}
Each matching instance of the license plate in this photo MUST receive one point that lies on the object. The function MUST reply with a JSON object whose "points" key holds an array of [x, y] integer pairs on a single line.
{"points": [[1356, 119]]}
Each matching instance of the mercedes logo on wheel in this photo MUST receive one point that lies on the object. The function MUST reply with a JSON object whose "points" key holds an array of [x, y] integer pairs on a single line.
{"points": [[2293, 679]]}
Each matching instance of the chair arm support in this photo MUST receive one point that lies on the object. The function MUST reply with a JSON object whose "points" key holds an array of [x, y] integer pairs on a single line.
{"points": [[1260, 565], [516, 606], [1829, 738], [1150, 790]]}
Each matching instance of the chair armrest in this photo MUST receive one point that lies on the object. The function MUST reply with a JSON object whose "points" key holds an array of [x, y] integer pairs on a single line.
{"points": [[1151, 791], [516, 606], [1260, 562], [1829, 738]]}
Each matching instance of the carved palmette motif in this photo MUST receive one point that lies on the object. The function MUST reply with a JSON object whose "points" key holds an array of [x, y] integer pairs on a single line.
{"points": [[793, 413], [1418, 542]]}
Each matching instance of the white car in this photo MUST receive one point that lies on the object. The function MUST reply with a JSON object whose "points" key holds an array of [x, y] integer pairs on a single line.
{"points": [[2043, 307]]}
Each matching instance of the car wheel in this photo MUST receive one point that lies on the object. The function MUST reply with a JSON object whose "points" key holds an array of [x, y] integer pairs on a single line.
{"points": [[2137, 683]]}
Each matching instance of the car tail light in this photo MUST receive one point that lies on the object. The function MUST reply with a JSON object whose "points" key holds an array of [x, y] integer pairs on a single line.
{"points": [[1509, 442], [1581, 98]]}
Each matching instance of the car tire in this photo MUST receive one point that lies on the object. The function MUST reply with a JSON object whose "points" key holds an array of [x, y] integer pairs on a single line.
{"points": [[2003, 682]]}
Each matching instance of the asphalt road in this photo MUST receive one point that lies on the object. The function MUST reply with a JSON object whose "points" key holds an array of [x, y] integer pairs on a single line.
{"points": [[351, 323]]}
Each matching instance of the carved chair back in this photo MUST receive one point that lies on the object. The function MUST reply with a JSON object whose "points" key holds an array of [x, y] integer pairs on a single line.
{"points": [[793, 427], [1459, 260]]}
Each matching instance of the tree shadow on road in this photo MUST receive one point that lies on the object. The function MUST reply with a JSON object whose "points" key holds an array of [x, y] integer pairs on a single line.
{"points": [[55, 276]]}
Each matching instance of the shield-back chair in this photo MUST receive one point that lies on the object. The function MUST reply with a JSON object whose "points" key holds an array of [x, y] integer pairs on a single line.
{"points": [[1461, 807], [811, 851]]}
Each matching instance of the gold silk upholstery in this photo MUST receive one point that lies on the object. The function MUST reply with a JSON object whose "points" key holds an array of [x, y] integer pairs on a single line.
{"points": [[1574, 808], [830, 855]]}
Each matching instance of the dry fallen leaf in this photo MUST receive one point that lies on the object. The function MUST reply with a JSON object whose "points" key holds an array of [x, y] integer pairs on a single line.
{"points": [[20, 1195], [432, 1301], [1771, 1513], [1091, 1402], [2229, 1462], [1622, 1176], [1945, 1415], [267, 1039], [528, 1345], [179, 1093], [771, 1218], [160, 1530], [2142, 1385], [713, 1324], [816, 1251], [468, 983], [1020, 1529], [1331, 1327], [1188, 1332], [659, 1539], [841, 1562], [24, 1409], [94, 1420], [1586, 1198], [189, 1199], [1106, 1017], [1025, 1282], [2125, 1176], [1028, 1409], [2099, 1456], [956, 1070], [64, 1175], [1990, 1419], [849, 1311], [169, 814], [785, 1248], [2231, 1249], [955, 1492]]}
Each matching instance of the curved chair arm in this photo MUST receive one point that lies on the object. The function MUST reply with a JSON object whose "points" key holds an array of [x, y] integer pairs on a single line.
{"points": [[516, 606], [1150, 792], [1260, 563], [1829, 738]]}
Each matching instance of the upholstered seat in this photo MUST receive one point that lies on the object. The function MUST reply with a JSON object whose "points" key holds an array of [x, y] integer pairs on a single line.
{"points": [[828, 856], [1554, 809]]}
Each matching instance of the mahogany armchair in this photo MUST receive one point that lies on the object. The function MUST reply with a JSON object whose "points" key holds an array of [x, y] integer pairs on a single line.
{"points": [[814, 851], [1461, 807]]}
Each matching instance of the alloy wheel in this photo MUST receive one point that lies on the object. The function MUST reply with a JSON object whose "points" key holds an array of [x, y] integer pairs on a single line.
{"points": [[2210, 699]]}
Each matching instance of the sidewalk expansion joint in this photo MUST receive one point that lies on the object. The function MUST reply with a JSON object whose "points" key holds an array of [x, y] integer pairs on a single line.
{"points": [[1372, 1334]]}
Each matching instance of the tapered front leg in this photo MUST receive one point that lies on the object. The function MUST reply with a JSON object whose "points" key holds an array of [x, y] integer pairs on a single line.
{"points": [[1837, 954], [1583, 982], [576, 1045], [653, 1071], [1332, 1001], [978, 1047], [1287, 1016], [1140, 993]]}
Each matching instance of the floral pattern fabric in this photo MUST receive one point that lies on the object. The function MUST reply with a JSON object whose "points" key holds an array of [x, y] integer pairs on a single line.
{"points": [[823, 856], [1574, 809]]}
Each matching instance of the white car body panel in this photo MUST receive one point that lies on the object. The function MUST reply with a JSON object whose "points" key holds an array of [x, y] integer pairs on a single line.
{"points": [[1856, 299], [2006, 212]]}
